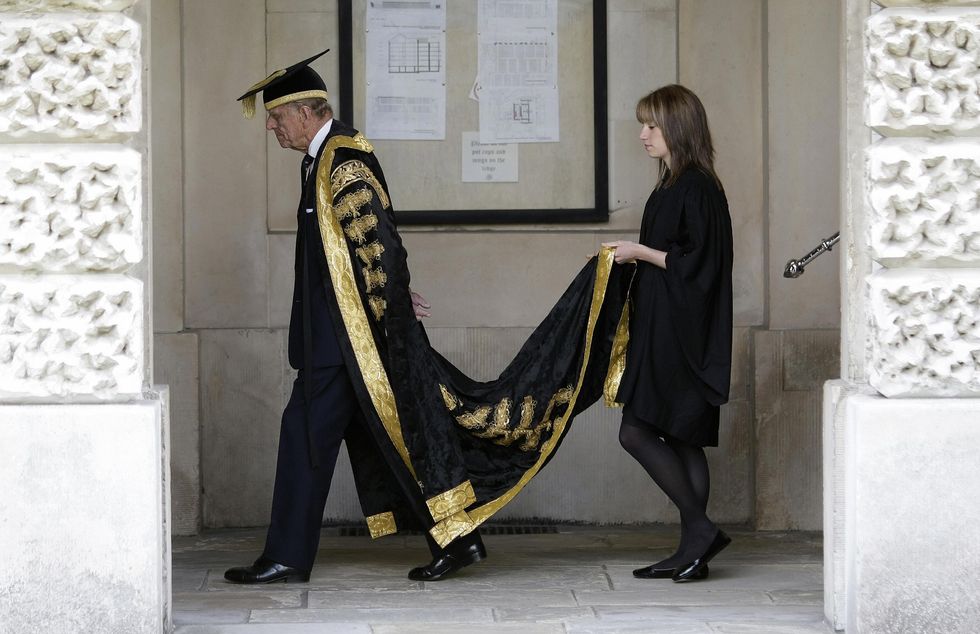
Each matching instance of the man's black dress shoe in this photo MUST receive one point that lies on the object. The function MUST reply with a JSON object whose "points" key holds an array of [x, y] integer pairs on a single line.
{"points": [[448, 563], [652, 572], [266, 571], [690, 572]]}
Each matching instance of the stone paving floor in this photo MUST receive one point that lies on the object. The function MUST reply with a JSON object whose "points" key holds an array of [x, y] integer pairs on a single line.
{"points": [[576, 581]]}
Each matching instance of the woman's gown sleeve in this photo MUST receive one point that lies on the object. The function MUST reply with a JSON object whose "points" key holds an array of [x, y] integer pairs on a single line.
{"points": [[698, 278]]}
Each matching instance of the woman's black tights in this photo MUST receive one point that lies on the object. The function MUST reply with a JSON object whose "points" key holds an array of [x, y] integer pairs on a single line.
{"points": [[681, 471]]}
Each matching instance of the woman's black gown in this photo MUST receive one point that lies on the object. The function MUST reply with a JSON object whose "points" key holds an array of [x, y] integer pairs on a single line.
{"points": [[678, 360]]}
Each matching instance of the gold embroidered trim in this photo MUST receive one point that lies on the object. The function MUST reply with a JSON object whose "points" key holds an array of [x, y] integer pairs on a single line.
{"points": [[371, 252], [349, 299], [476, 419], [451, 401], [452, 527], [351, 171], [296, 96], [497, 432], [378, 306], [374, 278], [381, 524], [452, 501], [350, 205], [482, 513], [617, 359], [358, 228]]}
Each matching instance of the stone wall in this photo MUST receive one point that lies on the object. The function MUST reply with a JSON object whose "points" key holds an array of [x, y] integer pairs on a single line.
{"points": [[902, 475], [85, 494]]}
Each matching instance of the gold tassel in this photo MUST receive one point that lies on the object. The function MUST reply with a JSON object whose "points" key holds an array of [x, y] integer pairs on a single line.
{"points": [[248, 103], [248, 107]]}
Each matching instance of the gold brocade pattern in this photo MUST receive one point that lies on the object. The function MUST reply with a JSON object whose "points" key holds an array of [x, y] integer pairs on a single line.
{"points": [[617, 359], [371, 252], [373, 278], [352, 309], [451, 401], [482, 513], [452, 501], [351, 204], [452, 527], [358, 228], [378, 306], [497, 430], [381, 524], [352, 171], [476, 419]]}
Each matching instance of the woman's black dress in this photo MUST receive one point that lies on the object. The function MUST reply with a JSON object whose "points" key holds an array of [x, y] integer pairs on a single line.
{"points": [[678, 361]]}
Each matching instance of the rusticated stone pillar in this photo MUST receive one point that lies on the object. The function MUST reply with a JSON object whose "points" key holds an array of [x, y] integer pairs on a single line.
{"points": [[84, 535], [902, 428]]}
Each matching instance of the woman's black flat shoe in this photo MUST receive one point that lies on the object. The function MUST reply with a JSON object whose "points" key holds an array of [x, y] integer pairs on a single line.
{"points": [[652, 572], [690, 572]]}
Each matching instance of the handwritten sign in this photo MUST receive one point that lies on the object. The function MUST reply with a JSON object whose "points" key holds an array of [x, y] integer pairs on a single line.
{"points": [[488, 162]]}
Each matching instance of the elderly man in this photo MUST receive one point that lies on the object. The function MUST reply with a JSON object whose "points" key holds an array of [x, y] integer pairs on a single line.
{"points": [[350, 293]]}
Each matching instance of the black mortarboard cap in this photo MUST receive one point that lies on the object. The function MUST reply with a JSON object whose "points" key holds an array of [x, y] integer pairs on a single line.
{"points": [[299, 81]]}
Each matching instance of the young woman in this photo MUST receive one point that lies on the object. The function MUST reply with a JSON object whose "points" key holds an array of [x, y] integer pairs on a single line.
{"points": [[678, 360]]}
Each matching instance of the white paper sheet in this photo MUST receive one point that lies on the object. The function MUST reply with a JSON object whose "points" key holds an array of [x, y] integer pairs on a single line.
{"points": [[518, 71], [406, 70], [488, 162]]}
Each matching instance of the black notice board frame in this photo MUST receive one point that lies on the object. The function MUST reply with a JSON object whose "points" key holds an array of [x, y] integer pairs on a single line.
{"points": [[598, 213]]}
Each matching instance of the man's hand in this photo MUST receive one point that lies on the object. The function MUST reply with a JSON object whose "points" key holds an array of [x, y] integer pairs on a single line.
{"points": [[420, 305]]}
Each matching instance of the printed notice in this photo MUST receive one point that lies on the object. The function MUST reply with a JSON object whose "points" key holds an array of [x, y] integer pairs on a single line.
{"points": [[406, 70], [488, 162], [518, 71]]}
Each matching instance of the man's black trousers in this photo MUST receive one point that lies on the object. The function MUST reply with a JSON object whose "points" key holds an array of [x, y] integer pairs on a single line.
{"points": [[300, 492]]}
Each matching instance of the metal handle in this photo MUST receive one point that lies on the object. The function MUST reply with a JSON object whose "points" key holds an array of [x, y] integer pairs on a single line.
{"points": [[795, 268]]}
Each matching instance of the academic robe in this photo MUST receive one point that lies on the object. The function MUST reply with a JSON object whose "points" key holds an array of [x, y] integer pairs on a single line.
{"points": [[679, 356], [457, 449]]}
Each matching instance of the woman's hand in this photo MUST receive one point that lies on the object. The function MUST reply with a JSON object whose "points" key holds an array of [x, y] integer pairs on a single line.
{"points": [[626, 251]]}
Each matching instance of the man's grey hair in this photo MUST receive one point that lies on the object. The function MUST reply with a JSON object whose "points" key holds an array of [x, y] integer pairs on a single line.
{"points": [[320, 107]]}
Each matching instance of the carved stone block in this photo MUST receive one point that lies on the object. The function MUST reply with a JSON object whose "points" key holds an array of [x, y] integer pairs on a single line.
{"points": [[67, 335], [69, 75], [66, 5], [923, 71], [924, 202], [71, 209], [925, 332]]}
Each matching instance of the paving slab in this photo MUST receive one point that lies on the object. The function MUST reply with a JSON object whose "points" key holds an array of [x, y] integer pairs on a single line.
{"points": [[728, 576], [277, 628], [543, 615], [377, 615], [577, 581], [471, 628], [450, 597], [189, 578], [664, 592], [211, 616], [679, 625], [487, 576], [261, 598]]}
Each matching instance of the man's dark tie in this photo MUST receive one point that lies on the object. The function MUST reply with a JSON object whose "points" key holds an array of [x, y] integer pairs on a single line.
{"points": [[304, 232]]}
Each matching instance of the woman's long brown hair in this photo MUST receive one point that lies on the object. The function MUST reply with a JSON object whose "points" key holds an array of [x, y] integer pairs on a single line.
{"points": [[683, 122]]}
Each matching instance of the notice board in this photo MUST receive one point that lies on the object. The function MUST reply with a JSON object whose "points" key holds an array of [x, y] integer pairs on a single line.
{"points": [[562, 181]]}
